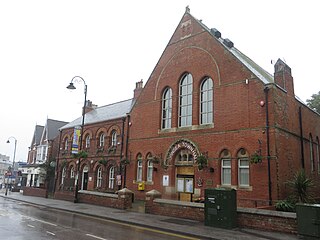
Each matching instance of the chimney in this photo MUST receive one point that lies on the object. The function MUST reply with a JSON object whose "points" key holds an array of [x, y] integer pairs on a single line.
{"points": [[89, 106], [283, 77], [137, 91]]}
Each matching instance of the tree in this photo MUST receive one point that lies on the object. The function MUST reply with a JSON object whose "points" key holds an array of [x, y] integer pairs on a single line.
{"points": [[302, 187], [314, 102]]}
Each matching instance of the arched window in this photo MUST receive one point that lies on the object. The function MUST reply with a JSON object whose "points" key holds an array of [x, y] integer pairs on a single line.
{"points": [[66, 144], [101, 140], [63, 175], [149, 168], [243, 168], [184, 157], [206, 101], [88, 141], [139, 168], [72, 173], [226, 167], [99, 177], [111, 178], [166, 108], [185, 101], [311, 153], [114, 138]]}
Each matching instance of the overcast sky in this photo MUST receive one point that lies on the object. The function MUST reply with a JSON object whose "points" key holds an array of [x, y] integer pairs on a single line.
{"points": [[114, 44]]}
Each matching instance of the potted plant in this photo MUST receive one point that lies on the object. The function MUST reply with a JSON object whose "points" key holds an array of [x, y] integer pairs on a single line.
{"points": [[103, 161], [202, 162], [256, 158]]}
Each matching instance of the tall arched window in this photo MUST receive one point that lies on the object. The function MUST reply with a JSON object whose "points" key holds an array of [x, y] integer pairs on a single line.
{"points": [[99, 177], [243, 168], [111, 178], [311, 153], [226, 167], [88, 141], [185, 101], [63, 175], [66, 144], [101, 140], [72, 173], [114, 138], [139, 168], [206, 101], [149, 167], [166, 108]]}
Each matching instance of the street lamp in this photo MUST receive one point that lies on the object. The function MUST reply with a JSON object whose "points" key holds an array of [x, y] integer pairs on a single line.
{"points": [[72, 87], [13, 162]]}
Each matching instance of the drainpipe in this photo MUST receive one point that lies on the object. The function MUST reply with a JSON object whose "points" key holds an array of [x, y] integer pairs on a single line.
{"points": [[57, 165], [122, 136], [301, 138], [126, 152], [266, 91]]}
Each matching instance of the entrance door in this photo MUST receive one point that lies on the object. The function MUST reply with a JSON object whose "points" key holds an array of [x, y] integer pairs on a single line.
{"points": [[85, 178], [185, 183]]}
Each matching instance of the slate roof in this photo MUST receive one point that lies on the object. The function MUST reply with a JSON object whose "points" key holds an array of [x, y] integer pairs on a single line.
{"points": [[37, 135], [53, 127], [260, 73], [104, 113]]}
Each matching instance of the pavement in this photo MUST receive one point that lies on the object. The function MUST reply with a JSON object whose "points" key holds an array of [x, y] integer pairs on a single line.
{"points": [[139, 218]]}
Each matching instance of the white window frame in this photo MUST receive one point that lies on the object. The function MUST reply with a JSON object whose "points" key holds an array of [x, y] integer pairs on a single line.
{"points": [[111, 178], [206, 101], [63, 174], [166, 109], [87, 141], [99, 177], [101, 140], [149, 171], [66, 144], [185, 101], [114, 138], [139, 170], [72, 173], [225, 168], [240, 170]]}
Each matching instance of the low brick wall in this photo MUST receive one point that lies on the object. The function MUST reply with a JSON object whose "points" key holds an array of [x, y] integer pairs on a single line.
{"points": [[36, 192], [105, 199], [267, 220], [247, 217], [64, 195], [122, 200], [173, 208]]}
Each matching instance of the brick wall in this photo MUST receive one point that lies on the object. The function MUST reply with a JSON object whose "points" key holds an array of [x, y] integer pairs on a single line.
{"points": [[246, 218], [36, 192]]}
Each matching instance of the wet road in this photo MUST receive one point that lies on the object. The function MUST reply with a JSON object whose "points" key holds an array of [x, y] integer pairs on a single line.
{"points": [[23, 221]]}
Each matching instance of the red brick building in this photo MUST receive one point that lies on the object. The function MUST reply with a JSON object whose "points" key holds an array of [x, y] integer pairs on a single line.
{"points": [[209, 116], [104, 140]]}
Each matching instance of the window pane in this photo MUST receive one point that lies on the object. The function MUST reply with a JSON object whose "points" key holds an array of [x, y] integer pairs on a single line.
{"points": [[226, 176]]}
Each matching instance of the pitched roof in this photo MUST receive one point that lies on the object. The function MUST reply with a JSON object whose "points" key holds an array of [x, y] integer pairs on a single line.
{"points": [[37, 135], [104, 113], [260, 73], [53, 127]]}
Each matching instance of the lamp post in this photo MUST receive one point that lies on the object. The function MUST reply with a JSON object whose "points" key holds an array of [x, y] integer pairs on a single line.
{"points": [[13, 161], [72, 87]]}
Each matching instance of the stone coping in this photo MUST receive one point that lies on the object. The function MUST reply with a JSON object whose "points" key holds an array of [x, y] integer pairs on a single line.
{"points": [[267, 212], [102, 194], [179, 203], [239, 209]]}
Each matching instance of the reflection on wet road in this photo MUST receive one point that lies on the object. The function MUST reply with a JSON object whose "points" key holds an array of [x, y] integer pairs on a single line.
{"points": [[24, 221]]}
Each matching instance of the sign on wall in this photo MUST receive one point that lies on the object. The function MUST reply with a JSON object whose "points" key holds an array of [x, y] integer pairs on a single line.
{"points": [[75, 142]]}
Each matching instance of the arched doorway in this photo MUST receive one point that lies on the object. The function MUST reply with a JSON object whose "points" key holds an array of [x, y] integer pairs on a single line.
{"points": [[183, 154], [85, 178]]}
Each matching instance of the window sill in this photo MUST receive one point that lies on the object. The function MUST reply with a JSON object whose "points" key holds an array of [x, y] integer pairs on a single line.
{"points": [[188, 128]]}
